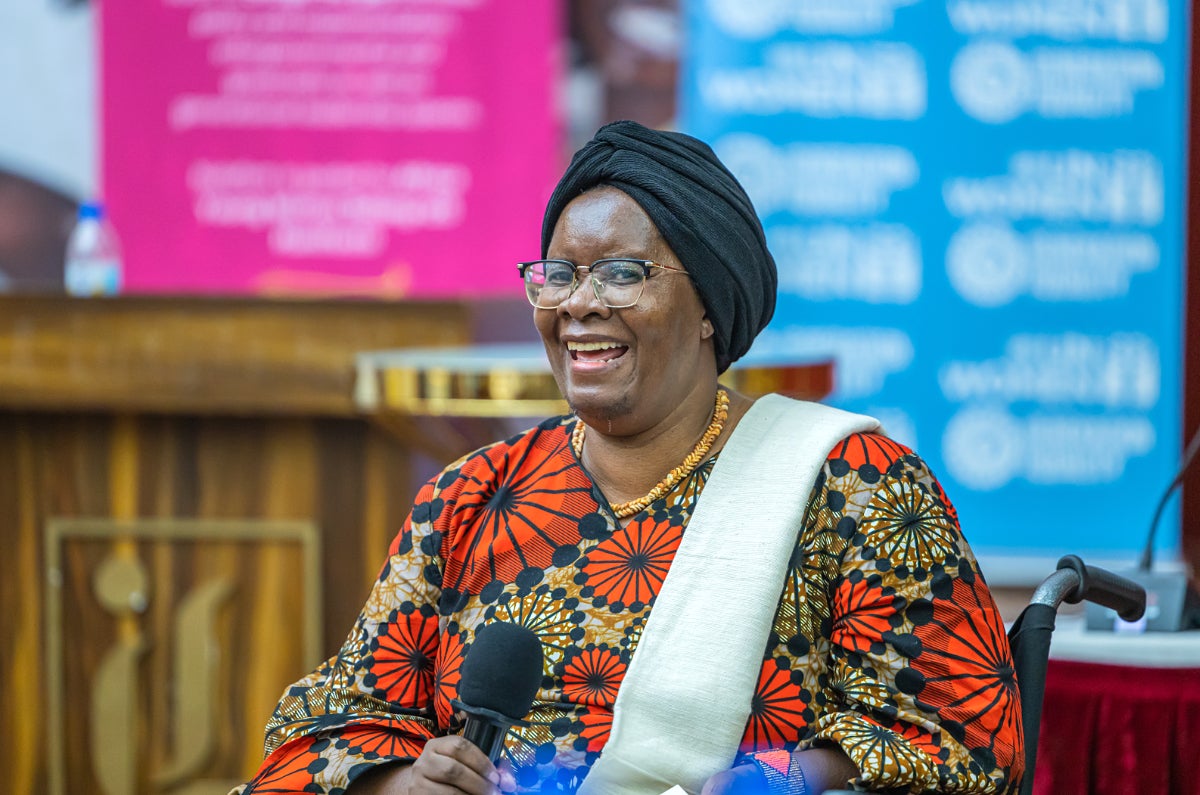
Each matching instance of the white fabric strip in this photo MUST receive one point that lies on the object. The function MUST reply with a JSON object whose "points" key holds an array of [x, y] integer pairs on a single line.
{"points": [[683, 706]]}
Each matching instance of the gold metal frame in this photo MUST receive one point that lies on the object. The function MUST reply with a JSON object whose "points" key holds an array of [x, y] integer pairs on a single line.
{"points": [[515, 381]]}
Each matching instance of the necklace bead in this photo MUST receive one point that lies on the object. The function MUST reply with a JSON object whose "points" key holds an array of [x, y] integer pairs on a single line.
{"points": [[694, 459]]}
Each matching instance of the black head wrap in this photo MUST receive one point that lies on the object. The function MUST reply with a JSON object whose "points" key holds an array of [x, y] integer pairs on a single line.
{"points": [[701, 211]]}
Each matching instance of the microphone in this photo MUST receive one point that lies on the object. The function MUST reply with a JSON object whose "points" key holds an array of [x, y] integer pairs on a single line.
{"points": [[1147, 561], [1172, 602], [500, 677]]}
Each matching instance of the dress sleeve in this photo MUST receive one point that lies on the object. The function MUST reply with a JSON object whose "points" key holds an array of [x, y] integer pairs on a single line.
{"points": [[921, 675], [373, 702], [887, 642]]}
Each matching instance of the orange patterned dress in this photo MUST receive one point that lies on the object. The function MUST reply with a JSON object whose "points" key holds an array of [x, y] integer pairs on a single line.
{"points": [[886, 640]]}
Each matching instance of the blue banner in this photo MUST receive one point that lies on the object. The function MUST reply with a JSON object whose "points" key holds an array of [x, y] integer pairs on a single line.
{"points": [[976, 207]]}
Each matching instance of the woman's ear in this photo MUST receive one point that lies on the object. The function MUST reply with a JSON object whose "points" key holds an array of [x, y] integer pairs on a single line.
{"points": [[706, 328]]}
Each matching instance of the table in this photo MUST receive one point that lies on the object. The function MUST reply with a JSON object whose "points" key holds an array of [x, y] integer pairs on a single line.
{"points": [[1121, 714]]}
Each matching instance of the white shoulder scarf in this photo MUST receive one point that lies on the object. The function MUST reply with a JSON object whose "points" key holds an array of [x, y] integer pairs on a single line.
{"points": [[682, 708]]}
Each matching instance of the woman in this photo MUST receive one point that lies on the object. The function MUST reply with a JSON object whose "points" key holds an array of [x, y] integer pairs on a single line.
{"points": [[647, 539]]}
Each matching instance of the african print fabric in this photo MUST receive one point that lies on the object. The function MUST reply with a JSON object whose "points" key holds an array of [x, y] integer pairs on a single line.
{"points": [[886, 640]]}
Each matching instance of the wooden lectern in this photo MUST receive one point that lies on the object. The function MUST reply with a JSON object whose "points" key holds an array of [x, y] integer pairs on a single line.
{"points": [[194, 509]]}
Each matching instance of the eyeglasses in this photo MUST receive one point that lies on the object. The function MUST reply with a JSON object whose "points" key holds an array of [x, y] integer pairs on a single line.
{"points": [[617, 283]]}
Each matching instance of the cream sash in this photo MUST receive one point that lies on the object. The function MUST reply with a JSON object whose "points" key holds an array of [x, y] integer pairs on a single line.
{"points": [[683, 705]]}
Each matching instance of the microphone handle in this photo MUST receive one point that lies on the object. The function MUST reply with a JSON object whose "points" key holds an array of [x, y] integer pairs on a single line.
{"points": [[486, 734]]}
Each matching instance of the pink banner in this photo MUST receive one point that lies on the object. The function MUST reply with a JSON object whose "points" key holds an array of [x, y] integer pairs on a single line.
{"points": [[400, 148]]}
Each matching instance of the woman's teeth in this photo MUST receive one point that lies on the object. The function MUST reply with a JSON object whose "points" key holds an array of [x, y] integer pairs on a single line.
{"points": [[591, 346], [596, 351]]}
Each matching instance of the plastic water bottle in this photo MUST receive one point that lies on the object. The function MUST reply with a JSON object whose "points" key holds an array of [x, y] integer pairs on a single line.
{"points": [[93, 265]]}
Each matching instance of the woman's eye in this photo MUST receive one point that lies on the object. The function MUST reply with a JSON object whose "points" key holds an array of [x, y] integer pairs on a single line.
{"points": [[559, 276], [621, 273]]}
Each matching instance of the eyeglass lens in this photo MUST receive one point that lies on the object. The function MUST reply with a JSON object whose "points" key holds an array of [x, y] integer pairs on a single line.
{"points": [[617, 283]]}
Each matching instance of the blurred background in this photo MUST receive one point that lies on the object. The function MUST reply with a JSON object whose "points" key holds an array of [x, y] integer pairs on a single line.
{"points": [[231, 232]]}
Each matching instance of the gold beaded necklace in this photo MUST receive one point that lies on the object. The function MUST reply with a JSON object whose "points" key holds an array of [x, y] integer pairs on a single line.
{"points": [[699, 453]]}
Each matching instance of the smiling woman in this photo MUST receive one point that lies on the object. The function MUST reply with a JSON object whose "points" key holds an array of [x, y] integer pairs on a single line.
{"points": [[732, 595]]}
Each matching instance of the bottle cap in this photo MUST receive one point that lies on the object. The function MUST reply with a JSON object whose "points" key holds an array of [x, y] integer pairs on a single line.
{"points": [[92, 209]]}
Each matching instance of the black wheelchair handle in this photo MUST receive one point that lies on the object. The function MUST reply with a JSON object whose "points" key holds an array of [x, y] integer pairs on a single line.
{"points": [[1104, 588]]}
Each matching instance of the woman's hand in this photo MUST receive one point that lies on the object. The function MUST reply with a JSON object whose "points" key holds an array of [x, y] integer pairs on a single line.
{"points": [[740, 780], [447, 766], [824, 768]]}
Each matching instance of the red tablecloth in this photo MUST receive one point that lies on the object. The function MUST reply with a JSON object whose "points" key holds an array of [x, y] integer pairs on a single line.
{"points": [[1117, 730]]}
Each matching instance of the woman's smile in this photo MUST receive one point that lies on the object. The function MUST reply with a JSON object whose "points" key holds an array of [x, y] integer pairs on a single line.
{"points": [[593, 357], [596, 351]]}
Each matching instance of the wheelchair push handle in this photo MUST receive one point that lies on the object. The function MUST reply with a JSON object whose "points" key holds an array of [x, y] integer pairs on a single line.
{"points": [[1075, 581]]}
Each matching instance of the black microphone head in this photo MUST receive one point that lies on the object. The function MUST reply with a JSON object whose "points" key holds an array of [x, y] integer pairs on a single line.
{"points": [[502, 670]]}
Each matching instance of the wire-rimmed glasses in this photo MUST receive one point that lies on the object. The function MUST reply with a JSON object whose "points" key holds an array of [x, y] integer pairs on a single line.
{"points": [[617, 282]]}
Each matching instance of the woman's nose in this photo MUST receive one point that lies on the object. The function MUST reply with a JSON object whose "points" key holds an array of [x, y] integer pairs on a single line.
{"points": [[584, 298]]}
